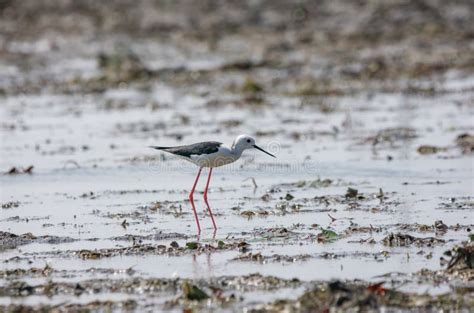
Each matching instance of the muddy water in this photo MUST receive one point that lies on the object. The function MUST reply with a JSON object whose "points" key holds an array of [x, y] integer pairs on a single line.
{"points": [[100, 208]]}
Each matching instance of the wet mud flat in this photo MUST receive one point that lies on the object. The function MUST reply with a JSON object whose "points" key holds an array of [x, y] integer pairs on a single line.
{"points": [[367, 105]]}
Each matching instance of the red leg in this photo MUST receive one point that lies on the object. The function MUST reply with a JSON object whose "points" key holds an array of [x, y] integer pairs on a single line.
{"points": [[191, 199], [205, 198]]}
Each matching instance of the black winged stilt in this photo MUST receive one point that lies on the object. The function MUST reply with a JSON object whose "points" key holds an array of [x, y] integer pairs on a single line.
{"points": [[211, 154]]}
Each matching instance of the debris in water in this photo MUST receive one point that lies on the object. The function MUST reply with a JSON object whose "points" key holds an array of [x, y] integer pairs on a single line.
{"points": [[249, 214], [377, 288], [466, 143], [71, 162], [15, 171], [251, 86], [192, 245], [462, 258], [440, 227], [193, 292], [220, 244], [125, 224], [429, 149], [255, 186], [402, 240], [351, 193], [11, 204], [380, 195], [326, 235]]}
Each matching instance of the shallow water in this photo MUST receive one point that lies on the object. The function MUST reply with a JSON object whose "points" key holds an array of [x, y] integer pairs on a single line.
{"points": [[86, 128], [56, 199]]}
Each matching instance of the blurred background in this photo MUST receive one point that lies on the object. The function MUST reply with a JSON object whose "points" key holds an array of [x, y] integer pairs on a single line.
{"points": [[99, 80]]}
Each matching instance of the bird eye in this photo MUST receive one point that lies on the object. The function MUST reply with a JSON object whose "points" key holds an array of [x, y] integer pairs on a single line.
{"points": [[248, 140]]}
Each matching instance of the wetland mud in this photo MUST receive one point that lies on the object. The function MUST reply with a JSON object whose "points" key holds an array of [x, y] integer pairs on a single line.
{"points": [[368, 106]]}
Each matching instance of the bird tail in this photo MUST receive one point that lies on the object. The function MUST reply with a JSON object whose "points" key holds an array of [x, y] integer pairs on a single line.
{"points": [[159, 148]]}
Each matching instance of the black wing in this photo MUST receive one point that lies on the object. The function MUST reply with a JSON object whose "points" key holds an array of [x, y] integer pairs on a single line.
{"points": [[206, 147]]}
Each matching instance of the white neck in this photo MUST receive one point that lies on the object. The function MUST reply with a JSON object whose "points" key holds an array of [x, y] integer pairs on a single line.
{"points": [[237, 150]]}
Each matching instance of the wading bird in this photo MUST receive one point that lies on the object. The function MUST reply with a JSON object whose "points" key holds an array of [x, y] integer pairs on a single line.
{"points": [[211, 154]]}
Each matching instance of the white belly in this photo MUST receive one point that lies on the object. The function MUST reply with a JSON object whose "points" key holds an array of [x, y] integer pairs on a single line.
{"points": [[220, 158]]}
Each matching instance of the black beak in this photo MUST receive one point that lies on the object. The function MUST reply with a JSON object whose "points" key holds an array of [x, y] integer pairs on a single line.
{"points": [[258, 148]]}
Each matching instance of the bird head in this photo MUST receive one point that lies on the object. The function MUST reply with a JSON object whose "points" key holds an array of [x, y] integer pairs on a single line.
{"points": [[244, 142]]}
